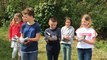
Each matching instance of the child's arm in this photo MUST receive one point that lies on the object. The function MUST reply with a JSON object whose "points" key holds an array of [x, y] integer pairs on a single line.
{"points": [[47, 35], [90, 41], [37, 37], [62, 34], [59, 34], [10, 33], [22, 40], [71, 37]]}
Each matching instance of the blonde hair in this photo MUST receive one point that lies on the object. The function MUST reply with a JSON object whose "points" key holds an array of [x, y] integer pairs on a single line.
{"points": [[19, 15], [87, 18]]}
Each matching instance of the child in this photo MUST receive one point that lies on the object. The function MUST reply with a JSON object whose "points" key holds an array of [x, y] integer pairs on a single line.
{"points": [[30, 30], [67, 35], [14, 30], [86, 37], [52, 37]]}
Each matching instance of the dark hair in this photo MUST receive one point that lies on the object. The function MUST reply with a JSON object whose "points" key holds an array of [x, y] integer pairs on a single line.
{"points": [[68, 18], [28, 11], [87, 17], [53, 19]]}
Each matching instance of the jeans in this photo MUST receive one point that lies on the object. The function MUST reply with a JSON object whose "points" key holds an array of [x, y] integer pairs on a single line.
{"points": [[14, 52], [16, 48], [29, 55], [66, 51], [84, 54], [53, 52]]}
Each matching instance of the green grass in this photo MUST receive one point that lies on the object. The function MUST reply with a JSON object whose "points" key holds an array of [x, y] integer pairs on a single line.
{"points": [[99, 52]]}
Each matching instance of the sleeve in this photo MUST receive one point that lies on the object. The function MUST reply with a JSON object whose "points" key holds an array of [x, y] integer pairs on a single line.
{"points": [[21, 30], [72, 34], [59, 33], [94, 33], [46, 35], [38, 29], [10, 32], [20, 27]]}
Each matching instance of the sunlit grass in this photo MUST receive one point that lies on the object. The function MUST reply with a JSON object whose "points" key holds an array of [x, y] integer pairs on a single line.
{"points": [[99, 52]]}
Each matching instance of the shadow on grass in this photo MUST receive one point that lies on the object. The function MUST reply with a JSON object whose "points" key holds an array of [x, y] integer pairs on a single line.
{"points": [[41, 52]]}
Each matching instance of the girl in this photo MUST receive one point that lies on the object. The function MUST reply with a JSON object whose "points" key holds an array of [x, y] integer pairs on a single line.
{"points": [[14, 31], [67, 35], [86, 37]]}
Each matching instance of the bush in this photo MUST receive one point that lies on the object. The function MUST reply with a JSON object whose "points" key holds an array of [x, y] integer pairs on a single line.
{"points": [[44, 11], [72, 8]]}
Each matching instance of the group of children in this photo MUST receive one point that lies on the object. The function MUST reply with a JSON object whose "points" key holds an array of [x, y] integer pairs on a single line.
{"points": [[26, 28]]}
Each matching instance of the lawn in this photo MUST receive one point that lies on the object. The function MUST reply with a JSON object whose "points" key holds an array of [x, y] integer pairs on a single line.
{"points": [[99, 52]]}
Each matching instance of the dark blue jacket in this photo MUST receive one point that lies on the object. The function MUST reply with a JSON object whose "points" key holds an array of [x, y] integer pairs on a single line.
{"points": [[49, 32]]}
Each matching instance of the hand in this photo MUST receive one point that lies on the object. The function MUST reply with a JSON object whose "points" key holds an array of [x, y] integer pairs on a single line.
{"points": [[81, 39], [26, 42], [67, 38], [10, 40], [50, 38], [54, 37], [47, 41], [18, 40], [76, 37], [21, 40]]}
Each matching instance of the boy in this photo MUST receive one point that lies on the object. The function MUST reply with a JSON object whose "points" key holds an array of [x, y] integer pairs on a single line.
{"points": [[52, 37], [30, 30]]}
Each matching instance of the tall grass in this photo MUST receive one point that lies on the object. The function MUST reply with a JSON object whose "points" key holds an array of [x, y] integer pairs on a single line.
{"points": [[99, 52]]}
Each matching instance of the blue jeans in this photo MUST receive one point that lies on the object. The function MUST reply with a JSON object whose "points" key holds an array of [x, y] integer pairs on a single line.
{"points": [[84, 54], [66, 51], [29, 55]]}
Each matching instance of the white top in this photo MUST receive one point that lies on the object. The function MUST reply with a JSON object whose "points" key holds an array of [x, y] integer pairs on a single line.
{"points": [[89, 33], [67, 32]]}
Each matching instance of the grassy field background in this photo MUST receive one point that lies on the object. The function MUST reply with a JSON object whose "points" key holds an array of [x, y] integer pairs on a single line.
{"points": [[99, 52]]}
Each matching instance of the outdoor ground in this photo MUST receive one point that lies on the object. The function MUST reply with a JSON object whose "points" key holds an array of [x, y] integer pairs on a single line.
{"points": [[99, 52]]}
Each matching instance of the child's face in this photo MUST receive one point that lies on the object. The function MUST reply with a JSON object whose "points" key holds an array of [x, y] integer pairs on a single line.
{"points": [[52, 24], [85, 23], [17, 19], [67, 23], [26, 17]]}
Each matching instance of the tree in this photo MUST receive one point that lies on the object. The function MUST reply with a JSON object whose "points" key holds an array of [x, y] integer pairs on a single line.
{"points": [[60, 9]]}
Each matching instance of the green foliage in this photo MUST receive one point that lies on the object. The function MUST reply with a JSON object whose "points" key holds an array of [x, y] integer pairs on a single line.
{"points": [[13, 7], [72, 8], [2, 11], [101, 44], [44, 11]]}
